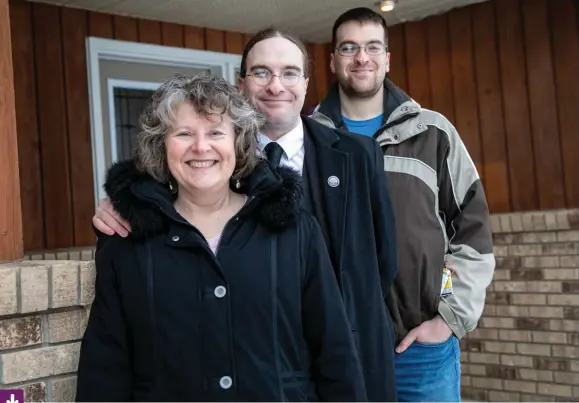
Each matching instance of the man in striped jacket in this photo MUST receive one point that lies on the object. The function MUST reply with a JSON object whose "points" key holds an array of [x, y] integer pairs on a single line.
{"points": [[445, 253]]}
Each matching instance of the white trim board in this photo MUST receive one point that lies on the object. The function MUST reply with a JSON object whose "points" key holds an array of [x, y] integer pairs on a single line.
{"points": [[108, 49]]}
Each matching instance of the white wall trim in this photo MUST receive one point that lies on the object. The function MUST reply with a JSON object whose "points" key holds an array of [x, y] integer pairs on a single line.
{"points": [[109, 49]]}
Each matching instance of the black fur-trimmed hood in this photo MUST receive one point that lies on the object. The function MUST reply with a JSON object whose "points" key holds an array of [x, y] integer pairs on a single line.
{"points": [[147, 205]]}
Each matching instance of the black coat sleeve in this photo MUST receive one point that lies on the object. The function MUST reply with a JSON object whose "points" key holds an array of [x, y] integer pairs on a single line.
{"points": [[336, 370], [384, 223], [104, 369]]}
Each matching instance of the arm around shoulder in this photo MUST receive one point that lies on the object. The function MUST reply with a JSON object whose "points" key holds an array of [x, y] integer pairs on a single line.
{"points": [[336, 369]]}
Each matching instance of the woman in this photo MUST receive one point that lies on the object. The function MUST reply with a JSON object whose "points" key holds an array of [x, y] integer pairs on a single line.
{"points": [[224, 290]]}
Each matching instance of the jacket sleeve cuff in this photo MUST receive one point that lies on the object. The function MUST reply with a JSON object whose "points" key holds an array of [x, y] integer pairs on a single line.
{"points": [[451, 319]]}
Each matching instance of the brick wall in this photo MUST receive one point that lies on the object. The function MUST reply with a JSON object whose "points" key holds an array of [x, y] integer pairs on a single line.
{"points": [[526, 347], [44, 306]]}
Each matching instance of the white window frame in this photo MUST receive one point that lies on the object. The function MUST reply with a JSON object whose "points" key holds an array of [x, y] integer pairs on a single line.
{"points": [[109, 49]]}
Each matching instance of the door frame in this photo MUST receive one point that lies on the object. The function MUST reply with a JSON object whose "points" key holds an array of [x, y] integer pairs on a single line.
{"points": [[98, 49]]}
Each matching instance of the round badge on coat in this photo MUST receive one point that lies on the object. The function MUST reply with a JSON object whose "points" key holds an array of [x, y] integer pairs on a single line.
{"points": [[333, 181]]}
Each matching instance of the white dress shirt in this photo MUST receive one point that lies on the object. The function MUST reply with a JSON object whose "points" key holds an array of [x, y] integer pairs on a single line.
{"points": [[292, 144]]}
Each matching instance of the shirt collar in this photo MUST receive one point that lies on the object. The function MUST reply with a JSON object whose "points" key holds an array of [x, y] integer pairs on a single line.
{"points": [[291, 142]]}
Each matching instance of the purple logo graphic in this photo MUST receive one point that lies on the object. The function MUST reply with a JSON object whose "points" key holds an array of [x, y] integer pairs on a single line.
{"points": [[12, 395]]}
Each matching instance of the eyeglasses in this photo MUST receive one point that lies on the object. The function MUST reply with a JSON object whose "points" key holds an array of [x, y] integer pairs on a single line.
{"points": [[352, 49], [263, 77]]}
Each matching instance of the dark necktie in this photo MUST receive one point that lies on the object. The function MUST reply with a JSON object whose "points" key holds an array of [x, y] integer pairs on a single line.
{"points": [[274, 153]]}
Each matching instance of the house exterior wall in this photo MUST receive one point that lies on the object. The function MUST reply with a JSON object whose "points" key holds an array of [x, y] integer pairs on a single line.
{"points": [[52, 108]]}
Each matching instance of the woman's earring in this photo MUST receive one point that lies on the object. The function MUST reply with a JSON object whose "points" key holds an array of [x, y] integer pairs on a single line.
{"points": [[237, 184], [170, 186]]}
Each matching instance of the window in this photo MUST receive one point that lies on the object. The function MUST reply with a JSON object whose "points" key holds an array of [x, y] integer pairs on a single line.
{"points": [[122, 77]]}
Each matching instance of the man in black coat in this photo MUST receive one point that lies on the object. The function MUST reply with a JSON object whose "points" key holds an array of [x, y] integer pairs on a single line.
{"points": [[345, 188]]}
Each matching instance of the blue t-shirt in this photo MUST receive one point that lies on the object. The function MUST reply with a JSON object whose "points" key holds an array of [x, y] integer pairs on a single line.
{"points": [[366, 127]]}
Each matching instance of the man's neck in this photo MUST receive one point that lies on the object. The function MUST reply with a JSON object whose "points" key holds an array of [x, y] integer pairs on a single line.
{"points": [[275, 132], [362, 108]]}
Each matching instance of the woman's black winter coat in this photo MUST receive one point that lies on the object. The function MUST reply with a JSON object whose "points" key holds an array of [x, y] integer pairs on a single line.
{"points": [[262, 320]]}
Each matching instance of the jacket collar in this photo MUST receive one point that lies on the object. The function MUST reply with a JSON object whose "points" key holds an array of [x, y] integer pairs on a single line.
{"points": [[398, 107], [275, 198]]}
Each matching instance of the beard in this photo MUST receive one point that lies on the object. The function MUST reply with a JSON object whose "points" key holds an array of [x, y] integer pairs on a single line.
{"points": [[360, 90]]}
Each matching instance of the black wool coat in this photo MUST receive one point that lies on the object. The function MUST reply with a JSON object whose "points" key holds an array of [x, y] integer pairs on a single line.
{"points": [[348, 189], [262, 320]]}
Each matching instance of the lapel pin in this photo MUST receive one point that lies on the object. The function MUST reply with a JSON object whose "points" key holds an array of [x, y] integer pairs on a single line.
{"points": [[333, 181]]}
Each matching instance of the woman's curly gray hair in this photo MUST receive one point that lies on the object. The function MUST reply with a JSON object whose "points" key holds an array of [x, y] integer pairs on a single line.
{"points": [[209, 95]]}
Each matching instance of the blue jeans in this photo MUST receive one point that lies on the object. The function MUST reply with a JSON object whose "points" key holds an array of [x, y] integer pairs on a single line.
{"points": [[429, 372]]}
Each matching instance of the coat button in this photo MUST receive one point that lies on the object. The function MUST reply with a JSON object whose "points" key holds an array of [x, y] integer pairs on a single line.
{"points": [[220, 291], [175, 238], [225, 382]]}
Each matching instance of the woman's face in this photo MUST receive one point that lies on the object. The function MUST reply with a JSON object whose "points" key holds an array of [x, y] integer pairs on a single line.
{"points": [[200, 150]]}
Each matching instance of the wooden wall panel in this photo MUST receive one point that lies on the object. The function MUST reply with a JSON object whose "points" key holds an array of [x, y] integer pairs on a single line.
{"points": [[464, 84], [27, 125], [194, 38], [490, 107], [126, 28], [234, 43], [504, 72], [440, 77], [544, 124], [565, 42], [74, 32], [397, 48], [52, 119], [511, 57], [417, 63], [149, 31], [101, 25], [172, 34]]}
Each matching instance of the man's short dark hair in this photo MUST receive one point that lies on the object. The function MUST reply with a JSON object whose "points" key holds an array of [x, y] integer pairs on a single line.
{"points": [[362, 15], [273, 33]]}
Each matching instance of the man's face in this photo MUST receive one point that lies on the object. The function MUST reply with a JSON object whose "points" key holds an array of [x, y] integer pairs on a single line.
{"points": [[360, 73], [282, 98]]}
